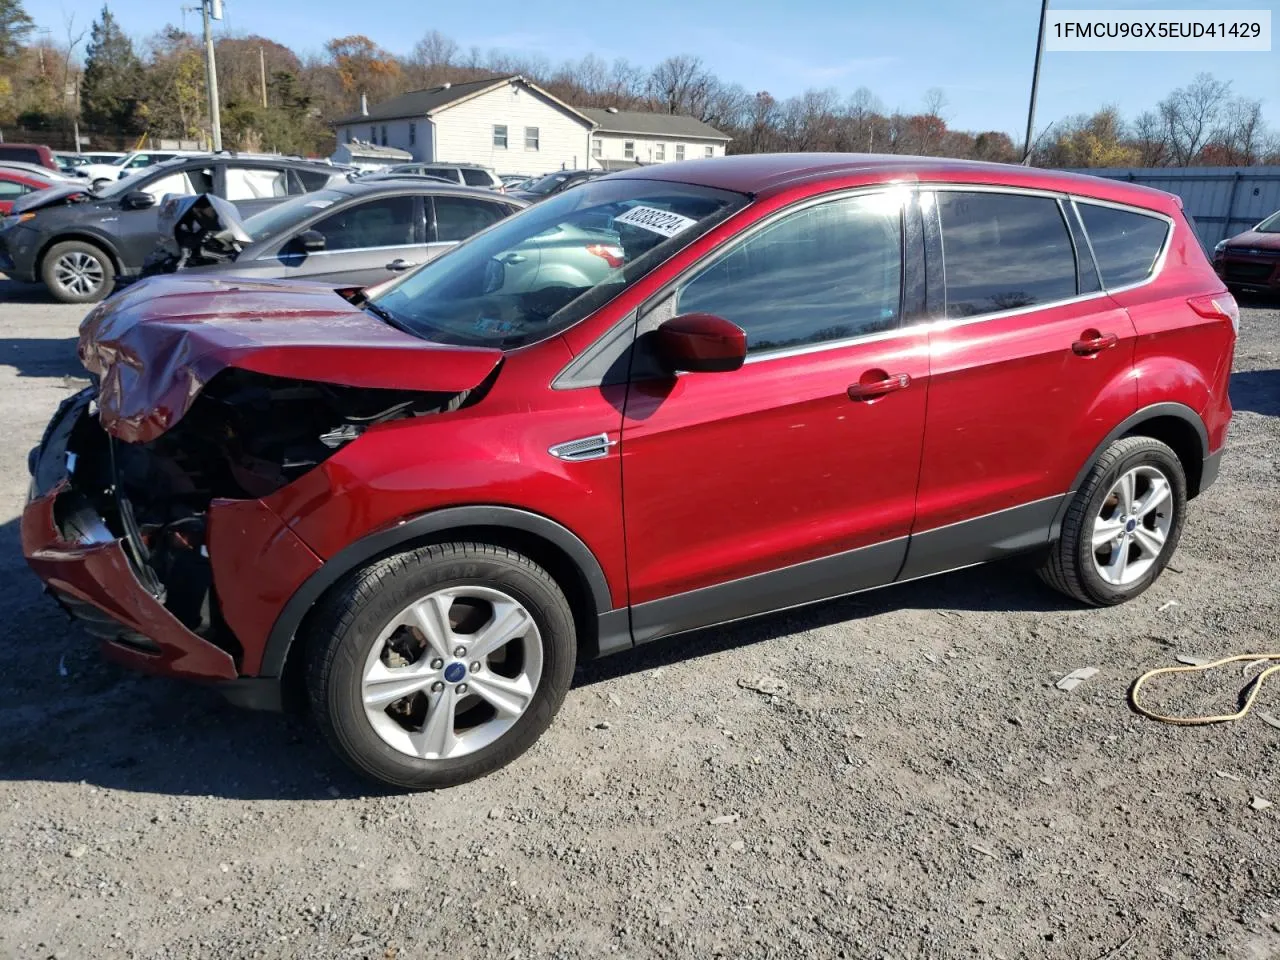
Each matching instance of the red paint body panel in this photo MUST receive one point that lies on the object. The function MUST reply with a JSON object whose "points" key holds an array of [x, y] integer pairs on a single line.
{"points": [[495, 453], [156, 345], [1013, 412], [728, 475], [99, 574], [16, 176], [258, 564]]}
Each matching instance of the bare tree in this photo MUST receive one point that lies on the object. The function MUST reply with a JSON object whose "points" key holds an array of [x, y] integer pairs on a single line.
{"points": [[1241, 135], [1151, 140], [1191, 114], [681, 84]]}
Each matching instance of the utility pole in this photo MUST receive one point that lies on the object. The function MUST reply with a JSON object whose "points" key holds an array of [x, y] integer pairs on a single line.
{"points": [[262, 72], [1035, 85], [212, 9]]}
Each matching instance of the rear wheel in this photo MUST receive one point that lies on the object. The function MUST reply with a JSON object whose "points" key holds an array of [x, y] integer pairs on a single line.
{"points": [[77, 272], [440, 665], [1123, 525]]}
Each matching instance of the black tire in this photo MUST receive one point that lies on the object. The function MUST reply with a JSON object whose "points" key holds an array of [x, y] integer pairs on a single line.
{"points": [[104, 271], [1069, 567], [353, 616]]}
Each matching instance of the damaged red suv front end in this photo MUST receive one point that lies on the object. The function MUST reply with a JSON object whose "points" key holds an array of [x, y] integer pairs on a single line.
{"points": [[146, 517]]}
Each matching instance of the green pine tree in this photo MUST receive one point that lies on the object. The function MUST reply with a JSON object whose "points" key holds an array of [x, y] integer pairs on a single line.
{"points": [[113, 79]]}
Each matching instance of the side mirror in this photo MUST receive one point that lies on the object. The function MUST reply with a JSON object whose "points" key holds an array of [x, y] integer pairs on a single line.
{"points": [[138, 200], [311, 240], [701, 343]]}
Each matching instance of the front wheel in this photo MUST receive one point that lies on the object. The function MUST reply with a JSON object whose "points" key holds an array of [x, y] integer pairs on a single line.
{"points": [[77, 272], [1122, 526], [442, 664]]}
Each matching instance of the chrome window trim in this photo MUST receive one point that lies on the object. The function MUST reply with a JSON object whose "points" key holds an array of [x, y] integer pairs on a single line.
{"points": [[323, 253]]}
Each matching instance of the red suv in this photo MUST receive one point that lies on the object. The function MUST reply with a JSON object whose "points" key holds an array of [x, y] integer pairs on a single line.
{"points": [[668, 398]]}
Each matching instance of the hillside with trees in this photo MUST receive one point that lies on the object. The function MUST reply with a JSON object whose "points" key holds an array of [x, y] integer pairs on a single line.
{"points": [[120, 89]]}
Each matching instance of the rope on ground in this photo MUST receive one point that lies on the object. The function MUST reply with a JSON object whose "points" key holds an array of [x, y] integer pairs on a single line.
{"points": [[1253, 686]]}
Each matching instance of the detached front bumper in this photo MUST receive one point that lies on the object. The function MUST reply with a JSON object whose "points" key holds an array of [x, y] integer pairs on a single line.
{"points": [[95, 576]]}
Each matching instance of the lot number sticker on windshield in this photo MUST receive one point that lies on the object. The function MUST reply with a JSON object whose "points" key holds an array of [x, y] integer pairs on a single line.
{"points": [[658, 221]]}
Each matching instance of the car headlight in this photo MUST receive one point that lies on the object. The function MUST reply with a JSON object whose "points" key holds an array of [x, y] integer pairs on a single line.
{"points": [[1222, 245]]}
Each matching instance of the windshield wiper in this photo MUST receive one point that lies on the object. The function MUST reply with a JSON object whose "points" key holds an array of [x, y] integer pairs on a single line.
{"points": [[383, 315]]}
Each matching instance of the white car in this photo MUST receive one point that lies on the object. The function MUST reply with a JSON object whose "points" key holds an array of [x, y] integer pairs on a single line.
{"points": [[100, 174]]}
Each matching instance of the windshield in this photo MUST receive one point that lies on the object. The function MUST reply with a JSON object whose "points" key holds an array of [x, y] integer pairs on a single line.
{"points": [[275, 220], [538, 273], [1270, 225]]}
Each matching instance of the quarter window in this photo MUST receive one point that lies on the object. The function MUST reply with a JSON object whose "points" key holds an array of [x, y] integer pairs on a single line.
{"points": [[531, 138], [458, 217], [385, 222], [476, 178], [826, 273], [1125, 244], [500, 136], [1003, 251]]}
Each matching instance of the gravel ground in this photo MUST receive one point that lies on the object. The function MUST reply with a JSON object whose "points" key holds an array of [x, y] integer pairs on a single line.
{"points": [[920, 789]]}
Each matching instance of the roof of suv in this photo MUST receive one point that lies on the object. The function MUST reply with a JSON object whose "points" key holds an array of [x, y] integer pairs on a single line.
{"points": [[765, 174], [362, 186]]}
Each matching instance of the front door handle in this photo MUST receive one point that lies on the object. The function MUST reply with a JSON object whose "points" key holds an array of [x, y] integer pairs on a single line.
{"points": [[870, 389], [1091, 342], [395, 266]]}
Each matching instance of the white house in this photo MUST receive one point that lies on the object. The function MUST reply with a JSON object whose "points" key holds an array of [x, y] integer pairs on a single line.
{"points": [[628, 138], [505, 123], [514, 126]]}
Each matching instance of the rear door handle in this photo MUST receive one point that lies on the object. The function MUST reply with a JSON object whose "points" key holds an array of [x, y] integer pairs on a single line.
{"points": [[878, 388], [1092, 342], [395, 266]]}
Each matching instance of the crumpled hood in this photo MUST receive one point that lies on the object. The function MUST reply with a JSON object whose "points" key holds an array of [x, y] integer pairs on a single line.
{"points": [[1252, 239], [52, 196], [156, 345]]}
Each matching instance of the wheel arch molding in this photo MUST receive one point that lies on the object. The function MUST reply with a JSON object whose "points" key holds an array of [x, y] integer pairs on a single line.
{"points": [[1174, 424], [468, 522]]}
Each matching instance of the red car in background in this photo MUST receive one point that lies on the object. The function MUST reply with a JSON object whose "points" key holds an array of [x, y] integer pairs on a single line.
{"points": [[1250, 261], [15, 183], [668, 398]]}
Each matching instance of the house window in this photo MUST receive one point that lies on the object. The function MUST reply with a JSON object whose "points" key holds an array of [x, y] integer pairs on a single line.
{"points": [[413, 133], [500, 136], [531, 138], [384, 135], [597, 147], [679, 151], [373, 134], [629, 149], [659, 152], [710, 152], [347, 131]]}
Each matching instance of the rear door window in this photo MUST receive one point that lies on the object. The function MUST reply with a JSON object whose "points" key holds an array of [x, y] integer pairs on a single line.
{"points": [[445, 173], [1125, 243], [459, 217], [822, 274], [255, 183], [384, 222], [1003, 251]]}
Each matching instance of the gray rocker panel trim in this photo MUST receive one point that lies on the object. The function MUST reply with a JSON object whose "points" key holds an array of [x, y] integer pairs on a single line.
{"points": [[769, 592], [385, 541], [990, 537]]}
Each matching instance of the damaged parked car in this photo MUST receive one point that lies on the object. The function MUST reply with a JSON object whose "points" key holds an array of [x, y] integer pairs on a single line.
{"points": [[665, 399], [78, 242], [358, 233]]}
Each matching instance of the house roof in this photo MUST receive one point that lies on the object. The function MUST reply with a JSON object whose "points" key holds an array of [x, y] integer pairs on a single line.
{"points": [[421, 103], [649, 124]]}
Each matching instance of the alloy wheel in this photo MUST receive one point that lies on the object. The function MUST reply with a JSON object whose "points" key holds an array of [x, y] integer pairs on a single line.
{"points": [[78, 273], [1132, 526], [452, 672]]}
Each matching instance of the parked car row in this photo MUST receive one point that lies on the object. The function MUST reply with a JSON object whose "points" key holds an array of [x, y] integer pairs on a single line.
{"points": [[1250, 261]]}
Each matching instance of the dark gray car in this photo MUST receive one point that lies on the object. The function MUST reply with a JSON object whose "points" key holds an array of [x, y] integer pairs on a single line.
{"points": [[361, 233]]}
